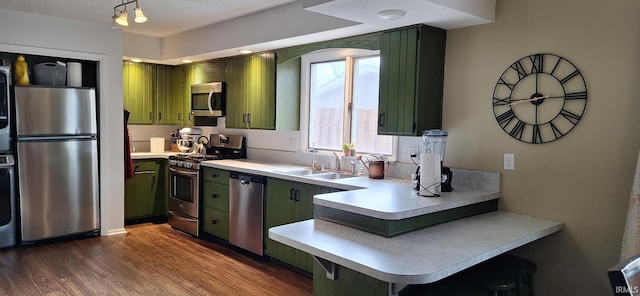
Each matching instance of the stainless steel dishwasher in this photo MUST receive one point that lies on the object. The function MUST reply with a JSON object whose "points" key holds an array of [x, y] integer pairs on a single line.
{"points": [[246, 211]]}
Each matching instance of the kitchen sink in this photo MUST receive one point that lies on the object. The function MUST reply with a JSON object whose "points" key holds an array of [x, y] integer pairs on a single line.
{"points": [[305, 172], [334, 176]]}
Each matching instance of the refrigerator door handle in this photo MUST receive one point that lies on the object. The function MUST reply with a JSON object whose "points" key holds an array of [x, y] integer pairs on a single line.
{"points": [[49, 138]]}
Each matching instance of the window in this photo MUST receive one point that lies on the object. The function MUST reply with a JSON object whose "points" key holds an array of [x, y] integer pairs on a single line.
{"points": [[342, 88]]}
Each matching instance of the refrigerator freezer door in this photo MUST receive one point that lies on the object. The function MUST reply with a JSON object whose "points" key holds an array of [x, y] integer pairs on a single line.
{"points": [[44, 111], [58, 188]]}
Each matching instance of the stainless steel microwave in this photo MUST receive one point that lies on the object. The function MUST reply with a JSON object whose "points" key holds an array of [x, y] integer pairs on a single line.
{"points": [[208, 99]]}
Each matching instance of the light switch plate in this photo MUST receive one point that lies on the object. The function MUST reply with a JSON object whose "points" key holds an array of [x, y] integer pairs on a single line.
{"points": [[509, 161]]}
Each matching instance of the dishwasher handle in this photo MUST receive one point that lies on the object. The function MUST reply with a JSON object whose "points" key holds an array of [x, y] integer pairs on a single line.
{"points": [[247, 179]]}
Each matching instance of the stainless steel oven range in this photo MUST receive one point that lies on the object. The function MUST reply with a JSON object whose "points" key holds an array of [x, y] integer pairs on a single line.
{"points": [[184, 209]]}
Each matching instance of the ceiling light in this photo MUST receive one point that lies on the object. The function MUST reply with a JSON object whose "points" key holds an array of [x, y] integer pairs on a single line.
{"points": [[140, 18], [136, 60], [391, 14], [245, 51], [122, 19], [120, 14], [187, 61]]}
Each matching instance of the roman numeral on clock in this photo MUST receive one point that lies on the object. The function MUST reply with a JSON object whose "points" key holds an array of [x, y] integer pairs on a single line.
{"points": [[576, 96], [572, 117], [516, 131], [569, 77], [520, 69], [537, 62], [536, 138], [501, 102], [509, 85], [505, 118]]}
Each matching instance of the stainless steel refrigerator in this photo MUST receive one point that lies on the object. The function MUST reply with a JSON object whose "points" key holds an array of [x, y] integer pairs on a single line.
{"points": [[57, 161]]}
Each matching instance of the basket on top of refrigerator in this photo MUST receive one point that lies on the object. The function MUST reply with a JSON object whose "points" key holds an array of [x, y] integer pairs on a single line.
{"points": [[54, 74]]}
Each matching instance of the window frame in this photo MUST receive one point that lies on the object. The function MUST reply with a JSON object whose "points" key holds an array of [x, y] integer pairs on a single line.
{"points": [[326, 55]]}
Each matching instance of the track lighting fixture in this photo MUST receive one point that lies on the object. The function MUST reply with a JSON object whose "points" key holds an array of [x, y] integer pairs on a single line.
{"points": [[121, 16]]}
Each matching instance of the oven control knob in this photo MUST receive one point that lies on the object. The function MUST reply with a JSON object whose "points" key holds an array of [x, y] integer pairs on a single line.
{"points": [[188, 165]]}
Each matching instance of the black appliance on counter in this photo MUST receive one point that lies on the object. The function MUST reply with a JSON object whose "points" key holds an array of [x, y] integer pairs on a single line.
{"points": [[185, 181]]}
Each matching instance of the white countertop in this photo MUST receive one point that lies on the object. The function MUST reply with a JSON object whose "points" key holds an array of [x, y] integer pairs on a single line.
{"points": [[389, 199], [422, 256]]}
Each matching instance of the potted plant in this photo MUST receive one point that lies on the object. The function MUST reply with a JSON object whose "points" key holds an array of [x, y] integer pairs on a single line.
{"points": [[349, 149]]}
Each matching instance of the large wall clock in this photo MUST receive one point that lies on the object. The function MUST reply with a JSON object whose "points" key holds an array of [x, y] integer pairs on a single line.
{"points": [[540, 98]]}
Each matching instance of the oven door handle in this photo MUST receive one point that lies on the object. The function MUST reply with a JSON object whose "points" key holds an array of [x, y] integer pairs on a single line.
{"points": [[183, 172]]}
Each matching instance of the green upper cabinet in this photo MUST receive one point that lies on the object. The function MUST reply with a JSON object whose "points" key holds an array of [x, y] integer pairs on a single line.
{"points": [[181, 92], [288, 95], [154, 94], [138, 82], [251, 83], [166, 109], [411, 80]]}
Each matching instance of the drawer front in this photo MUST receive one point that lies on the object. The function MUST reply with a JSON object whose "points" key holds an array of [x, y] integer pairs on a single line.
{"points": [[146, 165], [216, 175], [216, 223], [215, 195]]}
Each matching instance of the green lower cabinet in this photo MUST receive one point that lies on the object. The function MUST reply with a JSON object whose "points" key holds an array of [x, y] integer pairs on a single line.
{"points": [[288, 202], [215, 195], [215, 198], [216, 222], [347, 283], [145, 193]]}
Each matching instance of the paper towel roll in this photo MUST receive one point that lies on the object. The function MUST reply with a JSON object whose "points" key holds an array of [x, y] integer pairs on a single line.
{"points": [[74, 74], [157, 144], [430, 174]]}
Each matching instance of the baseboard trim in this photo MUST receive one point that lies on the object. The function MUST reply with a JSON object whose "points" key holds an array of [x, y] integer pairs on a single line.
{"points": [[118, 231]]}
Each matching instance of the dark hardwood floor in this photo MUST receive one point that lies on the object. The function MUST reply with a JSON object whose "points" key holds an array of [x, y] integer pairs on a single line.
{"points": [[152, 259]]}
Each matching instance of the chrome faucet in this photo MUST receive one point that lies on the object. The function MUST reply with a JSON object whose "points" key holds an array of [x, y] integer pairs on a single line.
{"points": [[337, 162]]}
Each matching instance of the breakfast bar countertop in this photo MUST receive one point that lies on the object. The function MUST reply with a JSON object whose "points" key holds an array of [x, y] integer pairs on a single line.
{"points": [[422, 256], [388, 199]]}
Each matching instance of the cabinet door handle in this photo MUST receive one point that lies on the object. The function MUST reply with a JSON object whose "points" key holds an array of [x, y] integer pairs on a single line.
{"points": [[179, 116], [381, 119], [214, 221], [153, 180], [150, 116], [297, 195], [214, 195], [214, 176], [292, 193], [248, 117]]}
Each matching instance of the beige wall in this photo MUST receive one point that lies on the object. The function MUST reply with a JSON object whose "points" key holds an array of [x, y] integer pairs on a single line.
{"points": [[583, 179]]}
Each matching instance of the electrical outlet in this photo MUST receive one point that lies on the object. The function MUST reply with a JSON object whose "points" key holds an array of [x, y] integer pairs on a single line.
{"points": [[413, 150], [509, 161]]}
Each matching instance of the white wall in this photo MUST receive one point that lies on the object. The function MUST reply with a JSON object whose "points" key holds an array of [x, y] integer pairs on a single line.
{"points": [[583, 179], [39, 35]]}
